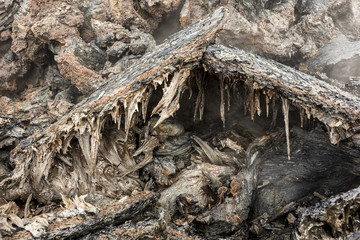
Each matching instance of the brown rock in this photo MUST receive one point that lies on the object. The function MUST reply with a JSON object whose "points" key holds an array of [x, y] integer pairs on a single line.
{"points": [[5, 35], [9, 71], [107, 33], [58, 21], [84, 79], [7, 106], [24, 45], [124, 13]]}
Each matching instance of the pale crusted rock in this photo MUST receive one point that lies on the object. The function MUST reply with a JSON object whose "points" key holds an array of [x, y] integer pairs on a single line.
{"points": [[338, 60], [288, 31], [276, 32], [9, 220], [346, 17], [97, 10], [191, 182]]}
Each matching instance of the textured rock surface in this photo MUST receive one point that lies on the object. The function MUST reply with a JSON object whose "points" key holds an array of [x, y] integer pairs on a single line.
{"points": [[7, 12], [187, 49], [281, 181], [323, 101], [333, 218], [94, 114], [304, 34]]}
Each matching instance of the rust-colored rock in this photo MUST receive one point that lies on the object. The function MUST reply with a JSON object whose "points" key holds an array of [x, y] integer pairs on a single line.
{"points": [[71, 63]]}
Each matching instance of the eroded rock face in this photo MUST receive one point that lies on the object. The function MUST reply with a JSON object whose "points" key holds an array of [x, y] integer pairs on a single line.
{"points": [[91, 106], [303, 34], [49, 43]]}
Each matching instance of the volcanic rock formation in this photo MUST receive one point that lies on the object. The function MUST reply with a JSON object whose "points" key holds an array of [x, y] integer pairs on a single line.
{"points": [[219, 131]]}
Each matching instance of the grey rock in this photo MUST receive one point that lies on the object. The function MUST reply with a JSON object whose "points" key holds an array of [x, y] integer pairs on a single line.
{"points": [[8, 9], [89, 55], [311, 6], [54, 79], [141, 43], [339, 59], [314, 166], [116, 51]]}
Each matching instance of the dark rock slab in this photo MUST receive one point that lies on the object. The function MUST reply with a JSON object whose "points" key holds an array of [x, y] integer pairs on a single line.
{"points": [[112, 216], [316, 165]]}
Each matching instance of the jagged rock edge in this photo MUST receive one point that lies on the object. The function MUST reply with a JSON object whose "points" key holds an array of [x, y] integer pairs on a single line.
{"points": [[34, 157], [338, 110]]}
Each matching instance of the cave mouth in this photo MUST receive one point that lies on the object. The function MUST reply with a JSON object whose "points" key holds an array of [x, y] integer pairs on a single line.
{"points": [[209, 112], [210, 144]]}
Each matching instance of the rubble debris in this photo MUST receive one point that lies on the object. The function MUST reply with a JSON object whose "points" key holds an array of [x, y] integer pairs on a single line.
{"points": [[146, 229], [114, 215], [63, 225], [332, 218]]}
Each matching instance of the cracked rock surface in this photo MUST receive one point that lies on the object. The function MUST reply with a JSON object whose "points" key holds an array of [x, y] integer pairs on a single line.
{"points": [[244, 124]]}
